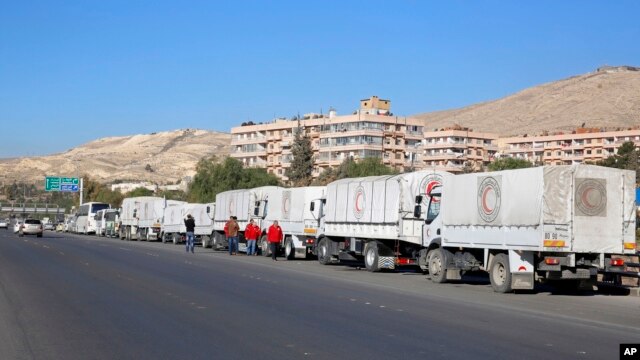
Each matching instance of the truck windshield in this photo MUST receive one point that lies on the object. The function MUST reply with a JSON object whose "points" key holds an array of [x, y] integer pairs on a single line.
{"points": [[434, 208]]}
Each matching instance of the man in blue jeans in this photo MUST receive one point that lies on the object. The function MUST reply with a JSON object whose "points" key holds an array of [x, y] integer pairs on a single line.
{"points": [[190, 224], [233, 229]]}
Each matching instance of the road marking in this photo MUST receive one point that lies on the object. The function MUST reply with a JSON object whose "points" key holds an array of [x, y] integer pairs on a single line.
{"points": [[382, 306], [155, 255], [202, 307], [124, 249], [61, 253], [45, 246]]}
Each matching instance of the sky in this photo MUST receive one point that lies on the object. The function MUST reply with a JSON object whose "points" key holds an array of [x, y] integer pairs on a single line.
{"points": [[75, 71]]}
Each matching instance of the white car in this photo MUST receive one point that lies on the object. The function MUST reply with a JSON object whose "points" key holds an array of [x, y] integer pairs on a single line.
{"points": [[4, 224]]}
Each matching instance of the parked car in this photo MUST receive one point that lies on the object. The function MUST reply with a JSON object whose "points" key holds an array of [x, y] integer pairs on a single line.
{"points": [[16, 226], [60, 227], [31, 227], [49, 226], [4, 224]]}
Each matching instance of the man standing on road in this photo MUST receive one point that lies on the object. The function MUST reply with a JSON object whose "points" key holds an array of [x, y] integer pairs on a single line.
{"points": [[233, 229], [190, 224], [274, 235], [251, 233]]}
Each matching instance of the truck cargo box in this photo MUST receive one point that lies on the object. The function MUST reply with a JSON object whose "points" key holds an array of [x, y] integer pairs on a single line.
{"points": [[564, 208], [376, 207]]}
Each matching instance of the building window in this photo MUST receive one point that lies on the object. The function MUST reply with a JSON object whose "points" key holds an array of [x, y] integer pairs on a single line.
{"points": [[599, 151], [588, 152], [478, 152]]}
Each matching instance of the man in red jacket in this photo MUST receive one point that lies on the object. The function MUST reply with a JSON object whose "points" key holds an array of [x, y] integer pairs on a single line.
{"points": [[274, 235], [251, 233]]}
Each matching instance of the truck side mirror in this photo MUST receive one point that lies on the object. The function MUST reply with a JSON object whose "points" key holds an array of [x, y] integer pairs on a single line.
{"points": [[208, 209], [312, 206], [417, 211], [419, 199]]}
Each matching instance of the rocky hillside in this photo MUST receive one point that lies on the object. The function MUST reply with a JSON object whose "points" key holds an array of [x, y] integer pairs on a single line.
{"points": [[163, 157], [607, 98]]}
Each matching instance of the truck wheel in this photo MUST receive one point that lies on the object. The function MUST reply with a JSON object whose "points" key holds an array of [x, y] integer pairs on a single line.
{"points": [[500, 274], [128, 234], [39, 235], [289, 251], [324, 256], [139, 236], [264, 246], [176, 239], [163, 237], [371, 257], [205, 241], [214, 244], [438, 266]]}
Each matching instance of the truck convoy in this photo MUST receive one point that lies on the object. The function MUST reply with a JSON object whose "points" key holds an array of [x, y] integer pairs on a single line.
{"points": [[561, 222], [141, 217], [174, 230]]}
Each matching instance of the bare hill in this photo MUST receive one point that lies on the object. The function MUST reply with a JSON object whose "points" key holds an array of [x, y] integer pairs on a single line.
{"points": [[607, 98], [161, 157]]}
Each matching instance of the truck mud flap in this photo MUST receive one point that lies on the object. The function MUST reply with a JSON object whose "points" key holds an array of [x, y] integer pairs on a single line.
{"points": [[387, 262]]}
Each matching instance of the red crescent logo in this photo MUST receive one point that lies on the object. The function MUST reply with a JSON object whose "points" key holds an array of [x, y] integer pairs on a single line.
{"points": [[522, 268], [430, 187], [358, 196], [585, 197], [486, 208], [285, 206]]}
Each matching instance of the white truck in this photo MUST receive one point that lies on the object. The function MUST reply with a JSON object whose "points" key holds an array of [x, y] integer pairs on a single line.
{"points": [[141, 217], [554, 222], [173, 228], [245, 204], [377, 220], [299, 213]]}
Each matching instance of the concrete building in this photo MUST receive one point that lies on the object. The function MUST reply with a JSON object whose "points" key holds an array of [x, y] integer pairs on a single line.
{"points": [[370, 132], [581, 146], [128, 187], [454, 148]]}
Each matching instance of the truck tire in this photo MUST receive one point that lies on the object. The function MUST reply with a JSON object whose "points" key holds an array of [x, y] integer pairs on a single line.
{"points": [[215, 245], [324, 255], [39, 235], [139, 235], [438, 266], [163, 238], [500, 274], [289, 250], [264, 246], [127, 235], [175, 238], [371, 257], [205, 241]]}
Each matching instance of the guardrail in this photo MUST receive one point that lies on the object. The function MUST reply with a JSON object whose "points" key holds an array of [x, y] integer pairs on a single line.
{"points": [[31, 208]]}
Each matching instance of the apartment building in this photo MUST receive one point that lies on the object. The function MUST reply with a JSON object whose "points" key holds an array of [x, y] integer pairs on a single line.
{"points": [[452, 149], [371, 131], [583, 145]]}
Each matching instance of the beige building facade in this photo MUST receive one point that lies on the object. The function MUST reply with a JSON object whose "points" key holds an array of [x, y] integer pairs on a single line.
{"points": [[370, 132], [585, 145], [458, 149]]}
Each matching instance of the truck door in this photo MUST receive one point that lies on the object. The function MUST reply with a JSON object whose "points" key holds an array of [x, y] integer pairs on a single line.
{"points": [[433, 223]]}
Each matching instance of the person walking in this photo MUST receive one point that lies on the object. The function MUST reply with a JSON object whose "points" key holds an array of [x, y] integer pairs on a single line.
{"points": [[251, 233], [274, 236], [233, 229], [190, 224]]}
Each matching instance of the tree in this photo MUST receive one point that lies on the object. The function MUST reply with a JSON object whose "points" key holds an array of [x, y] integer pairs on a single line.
{"points": [[349, 168], [509, 163], [141, 191], [301, 170], [627, 157], [213, 177]]}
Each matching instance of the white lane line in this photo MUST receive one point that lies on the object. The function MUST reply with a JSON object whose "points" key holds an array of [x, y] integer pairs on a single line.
{"points": [[61, 253], [125, 249], [45, 246]]}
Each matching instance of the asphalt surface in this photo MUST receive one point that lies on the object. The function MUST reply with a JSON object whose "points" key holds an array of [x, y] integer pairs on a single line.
{"points": [[77, 297]]}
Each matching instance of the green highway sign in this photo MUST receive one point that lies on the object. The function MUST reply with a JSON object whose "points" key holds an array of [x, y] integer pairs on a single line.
{"points": [[65, 184]]}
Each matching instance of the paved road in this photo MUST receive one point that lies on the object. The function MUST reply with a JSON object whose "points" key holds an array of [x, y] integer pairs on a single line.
{"points": [[75, 297]]}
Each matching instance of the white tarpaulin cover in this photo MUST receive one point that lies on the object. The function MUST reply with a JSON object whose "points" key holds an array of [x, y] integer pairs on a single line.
{"points": [[589, 208], [379, 199]]}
